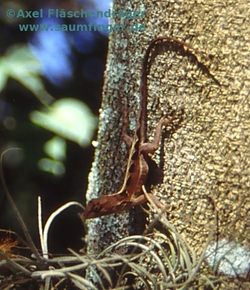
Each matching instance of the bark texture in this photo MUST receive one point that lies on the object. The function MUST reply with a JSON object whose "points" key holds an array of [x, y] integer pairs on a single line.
{"points": [[206, 160]]}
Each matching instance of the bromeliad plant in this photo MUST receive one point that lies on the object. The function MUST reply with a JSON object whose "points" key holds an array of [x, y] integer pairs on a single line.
{"points": [[155, 260]]}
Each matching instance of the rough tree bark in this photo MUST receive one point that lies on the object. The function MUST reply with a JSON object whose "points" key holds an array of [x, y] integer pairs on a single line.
{"points": [[206, 160]]}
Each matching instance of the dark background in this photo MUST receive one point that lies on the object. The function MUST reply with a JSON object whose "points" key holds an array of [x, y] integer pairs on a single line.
{"points": [[83, 80]]}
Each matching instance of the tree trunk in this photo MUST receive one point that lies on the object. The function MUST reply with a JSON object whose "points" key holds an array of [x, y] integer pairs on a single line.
{"points": [[205, 160]]}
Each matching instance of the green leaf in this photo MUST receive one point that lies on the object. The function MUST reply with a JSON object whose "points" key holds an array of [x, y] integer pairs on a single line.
{"points": [[68, 118], [56, 148], [20, 64], [3, 76]]}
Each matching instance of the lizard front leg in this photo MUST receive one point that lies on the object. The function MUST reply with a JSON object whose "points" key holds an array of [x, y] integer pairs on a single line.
{"points": [[153, 146]]}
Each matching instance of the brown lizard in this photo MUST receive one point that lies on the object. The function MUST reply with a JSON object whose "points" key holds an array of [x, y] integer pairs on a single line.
{"points": [[131, 193]]}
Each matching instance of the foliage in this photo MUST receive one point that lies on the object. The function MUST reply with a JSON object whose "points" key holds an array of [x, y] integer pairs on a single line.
{"points": [[69, 118], [173, 264], [20, 64]]}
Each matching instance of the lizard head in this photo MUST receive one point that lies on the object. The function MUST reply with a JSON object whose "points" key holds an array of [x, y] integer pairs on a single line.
{"points": [[105, 205]]}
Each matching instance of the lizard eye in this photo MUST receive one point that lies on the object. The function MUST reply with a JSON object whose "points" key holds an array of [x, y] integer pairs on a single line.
{"points": [[96, 208]]}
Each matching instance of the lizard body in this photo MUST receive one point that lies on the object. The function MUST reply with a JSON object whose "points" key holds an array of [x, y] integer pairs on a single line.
{"points": [[131, 192]]}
